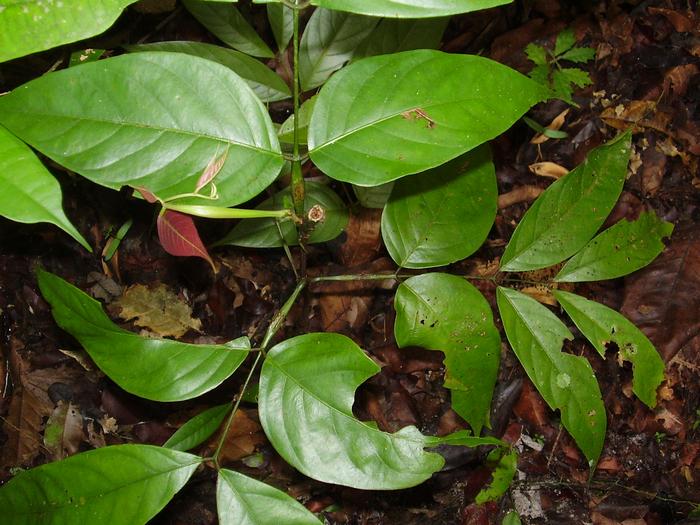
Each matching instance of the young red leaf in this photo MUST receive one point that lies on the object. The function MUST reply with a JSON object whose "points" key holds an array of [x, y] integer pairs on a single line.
{"points": [[147, 195], [179, 236], [211, 171]]}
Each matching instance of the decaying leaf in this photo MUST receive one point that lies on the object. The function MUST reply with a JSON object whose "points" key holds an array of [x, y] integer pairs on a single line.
{"points": [[158, 309], [64, 430], [243, 436], [524, 193], [555, 125], [663, 299], [548, 169]]}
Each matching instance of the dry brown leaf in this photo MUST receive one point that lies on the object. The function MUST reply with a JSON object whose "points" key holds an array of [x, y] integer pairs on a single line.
{"points": [[548, 169], [158, 309], [524, 193], [681, 22], [243, 437], [540, 293], [663, 299], [638, 114], [555, 125], [363, 238], [64, 431]]}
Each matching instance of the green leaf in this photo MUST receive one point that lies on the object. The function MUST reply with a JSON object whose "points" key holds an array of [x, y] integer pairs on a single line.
{"points": [[620, 250], [141, 120], [566, 382], [307, 386], [565, 41], [281, 20], [393, 115], [567, 215], [265, 83], [575, 75], [602, 325], [84, 56], [264, 233], [198, 429], [329, 40], [506, 464], [241, 500], [29, 192], [395, 34], [536, 54], [578, 54], [512, 518], [408, 8], [443, 215], [540, 74], [444, 312], [230, 26], [119, 485], [373, 196], [286, 131], [29, 26], [157, 369], [561, 87]]}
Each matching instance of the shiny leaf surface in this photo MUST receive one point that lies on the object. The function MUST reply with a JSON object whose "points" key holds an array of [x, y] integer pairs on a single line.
{"points": [[229, 25], [395, 34], [120, 485], [565, 381], [307, 386], [265, 83], [29, 26], [393, 115], [568, 214], [329, 40], [29, 192], [444, 312], [157, 369], [602, 325], [620, 250], [198, 429], [408, 8], [241, 500], [443, 215], [140, 120]]}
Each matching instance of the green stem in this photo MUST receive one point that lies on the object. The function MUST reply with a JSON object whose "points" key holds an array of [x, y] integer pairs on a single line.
{"points": [[403, 276], [229, 421], [280, 316], [219, 212], [298, 189]]}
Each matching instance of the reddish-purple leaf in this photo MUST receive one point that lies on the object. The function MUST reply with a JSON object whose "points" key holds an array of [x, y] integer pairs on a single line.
{"points": [[211, 171], [179, 236], [150, 197]]}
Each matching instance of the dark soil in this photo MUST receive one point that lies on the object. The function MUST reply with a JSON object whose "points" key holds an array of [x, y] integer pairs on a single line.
{"points": [[646, 74]]}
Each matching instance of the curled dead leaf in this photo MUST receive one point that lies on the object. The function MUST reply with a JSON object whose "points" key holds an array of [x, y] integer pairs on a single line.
{"points": [[548, 169]]}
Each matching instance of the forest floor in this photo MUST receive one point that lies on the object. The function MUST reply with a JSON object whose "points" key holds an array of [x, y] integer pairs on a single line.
{"points": [[646, 75]]}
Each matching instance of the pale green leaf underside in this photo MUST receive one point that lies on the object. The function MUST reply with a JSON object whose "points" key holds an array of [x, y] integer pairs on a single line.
{"points": [[265, 83], [568, 214], [286, 131], [602, 325], [198, 429], [408, 8], [395, 34], [442, 215], [329, 40], [444, 312], [119, 485], [29, 192], [141, 120], [241, 500], [29, 26], [264, 233], [373, 196], [384, 117], [565, 381], [230, 26], [157, 369], [620, 250], [307, 387]]}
